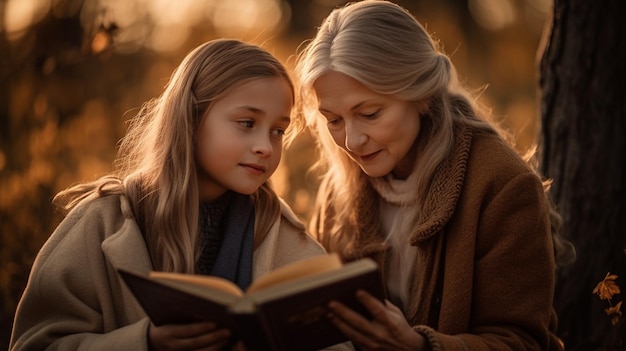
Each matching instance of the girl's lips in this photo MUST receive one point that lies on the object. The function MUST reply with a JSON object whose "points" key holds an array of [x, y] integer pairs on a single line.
{"points": [[254, 168]]}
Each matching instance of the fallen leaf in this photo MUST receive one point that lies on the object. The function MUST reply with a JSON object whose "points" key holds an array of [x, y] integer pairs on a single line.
{"points": [[607, 287]]}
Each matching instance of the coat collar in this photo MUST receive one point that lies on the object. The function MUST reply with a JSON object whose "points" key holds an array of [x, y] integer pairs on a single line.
{"points": [[126, 248], [440, 203], [445, 188]]}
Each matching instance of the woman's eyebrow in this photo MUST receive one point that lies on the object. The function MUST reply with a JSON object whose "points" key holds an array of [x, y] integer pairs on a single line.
{"points": [[355, 107]]}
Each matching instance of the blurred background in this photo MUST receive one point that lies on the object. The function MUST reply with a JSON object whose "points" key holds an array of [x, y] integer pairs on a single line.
{"points": [[72, 72]]}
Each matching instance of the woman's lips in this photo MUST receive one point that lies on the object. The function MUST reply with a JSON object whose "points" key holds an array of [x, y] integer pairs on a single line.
{"points": [[369, 157]]}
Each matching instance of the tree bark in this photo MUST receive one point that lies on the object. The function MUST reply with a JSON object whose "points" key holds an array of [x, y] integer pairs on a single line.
{"points": [[583, 145]]}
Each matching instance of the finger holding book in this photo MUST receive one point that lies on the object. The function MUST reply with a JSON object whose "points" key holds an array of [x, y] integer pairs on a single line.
{"points": [[187, 336], [388, 329]]}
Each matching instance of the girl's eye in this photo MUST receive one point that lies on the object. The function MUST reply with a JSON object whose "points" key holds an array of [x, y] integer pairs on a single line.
{"points": [[278, 132], [246, 124]]}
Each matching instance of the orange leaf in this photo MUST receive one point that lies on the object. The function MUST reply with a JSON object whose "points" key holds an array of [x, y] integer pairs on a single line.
{"points": [[615, 313], [607, 287]]}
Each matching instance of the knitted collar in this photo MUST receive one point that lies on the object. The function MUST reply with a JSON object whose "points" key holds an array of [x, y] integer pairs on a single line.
{"points": [[439, 204], [399, 192], [445, 188]]}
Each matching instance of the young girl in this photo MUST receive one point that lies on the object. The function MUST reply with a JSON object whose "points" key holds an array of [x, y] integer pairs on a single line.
{"points": [[418, 179], [190, 194]]}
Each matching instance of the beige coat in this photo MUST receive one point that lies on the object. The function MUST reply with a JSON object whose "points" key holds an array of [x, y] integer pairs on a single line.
{"points": [[484, 270], [75, 300]]}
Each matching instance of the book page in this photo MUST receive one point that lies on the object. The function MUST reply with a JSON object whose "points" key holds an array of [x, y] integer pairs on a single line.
{"points": [[200, 280], [300, 269]]}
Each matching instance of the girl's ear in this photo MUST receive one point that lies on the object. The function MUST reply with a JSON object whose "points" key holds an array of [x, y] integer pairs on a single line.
{"points": [[422, 106]]}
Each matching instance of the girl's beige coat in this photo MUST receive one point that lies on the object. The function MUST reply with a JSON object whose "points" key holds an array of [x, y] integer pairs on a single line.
{"points": [[75, 300]]}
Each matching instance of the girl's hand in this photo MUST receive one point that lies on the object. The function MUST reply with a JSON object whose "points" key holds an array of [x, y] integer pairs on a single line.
{"points": [[388, 330], [197, 336]]}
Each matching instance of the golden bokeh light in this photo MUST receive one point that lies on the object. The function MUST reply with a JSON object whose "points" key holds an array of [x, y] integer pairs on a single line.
{"points": [[21, 14]]}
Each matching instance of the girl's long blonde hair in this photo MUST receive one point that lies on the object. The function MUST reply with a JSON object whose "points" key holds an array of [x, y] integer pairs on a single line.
{"points": [[156, 163], [384, 47]]}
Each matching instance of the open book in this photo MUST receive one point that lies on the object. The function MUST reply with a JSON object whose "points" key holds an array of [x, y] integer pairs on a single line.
{"points": [[283, 310]]}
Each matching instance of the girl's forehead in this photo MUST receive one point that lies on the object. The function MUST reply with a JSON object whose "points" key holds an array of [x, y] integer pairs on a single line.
{"points": [[267, 95]]}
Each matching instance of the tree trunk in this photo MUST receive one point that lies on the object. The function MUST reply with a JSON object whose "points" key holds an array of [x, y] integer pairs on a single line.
{"points": [[583, 142]]}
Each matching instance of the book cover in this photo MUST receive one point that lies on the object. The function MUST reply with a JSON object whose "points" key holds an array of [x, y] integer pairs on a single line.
{"points": [[290, 313]]}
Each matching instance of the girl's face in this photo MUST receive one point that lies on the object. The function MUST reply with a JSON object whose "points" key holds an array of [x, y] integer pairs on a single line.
{"points": [[240, 137], [378, 132]]}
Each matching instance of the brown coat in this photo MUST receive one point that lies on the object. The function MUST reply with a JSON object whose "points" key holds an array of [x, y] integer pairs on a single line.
{"points": [[75, 300], [484, 269]]}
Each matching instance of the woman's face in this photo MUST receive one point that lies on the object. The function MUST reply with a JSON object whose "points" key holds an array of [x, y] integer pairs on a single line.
{"points": [[240, 137], [377, 131]]}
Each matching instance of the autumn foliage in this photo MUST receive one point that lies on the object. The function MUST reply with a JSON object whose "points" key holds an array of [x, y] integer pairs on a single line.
{"points": [[606, 289]]}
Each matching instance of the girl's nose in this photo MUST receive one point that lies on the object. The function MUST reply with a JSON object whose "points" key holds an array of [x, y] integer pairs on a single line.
{"points": [[262, 146]]}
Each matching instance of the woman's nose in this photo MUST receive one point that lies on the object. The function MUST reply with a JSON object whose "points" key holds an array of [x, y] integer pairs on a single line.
{"points": [[355, 137]]}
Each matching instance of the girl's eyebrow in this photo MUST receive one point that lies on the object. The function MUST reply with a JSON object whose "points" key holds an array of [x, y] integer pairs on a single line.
{"points": [[258, 111], [252, 109]]}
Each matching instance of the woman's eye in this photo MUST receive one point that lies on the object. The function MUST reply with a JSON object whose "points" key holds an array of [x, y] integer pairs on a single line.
{"points": [[370, 115], [246, 124], [333, 121]]}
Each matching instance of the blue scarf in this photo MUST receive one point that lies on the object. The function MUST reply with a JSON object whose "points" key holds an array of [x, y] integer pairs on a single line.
{"points": [[234, 260]]}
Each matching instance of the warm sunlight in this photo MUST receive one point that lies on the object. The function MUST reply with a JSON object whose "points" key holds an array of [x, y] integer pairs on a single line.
{"points": [[161, 25], [247, 16], [74, 73], [493, 14], [20, 14]]}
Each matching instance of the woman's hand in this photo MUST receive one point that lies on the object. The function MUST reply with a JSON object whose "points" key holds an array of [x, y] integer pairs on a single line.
{"points": [[388, 330], [197, 336]]}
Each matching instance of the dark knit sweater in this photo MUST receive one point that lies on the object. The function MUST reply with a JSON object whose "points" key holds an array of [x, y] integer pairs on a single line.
{"points": [[211, 225]]}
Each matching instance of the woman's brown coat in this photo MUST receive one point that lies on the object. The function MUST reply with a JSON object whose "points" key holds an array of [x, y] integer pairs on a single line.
{"points": [[484, 269]]}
